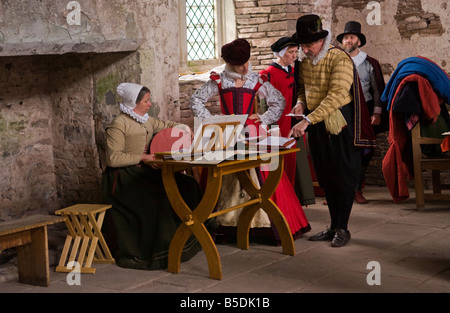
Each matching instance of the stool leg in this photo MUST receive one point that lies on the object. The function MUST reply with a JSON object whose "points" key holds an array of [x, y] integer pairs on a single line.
{"points": [[103, 254], [64, 254]]}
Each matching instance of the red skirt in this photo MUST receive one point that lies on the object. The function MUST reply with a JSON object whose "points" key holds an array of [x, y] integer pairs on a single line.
{"points": [[286, 200]]}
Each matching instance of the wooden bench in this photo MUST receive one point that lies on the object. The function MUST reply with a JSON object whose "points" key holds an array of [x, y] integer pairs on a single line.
{"points": [[29, 236], [436, 165]]}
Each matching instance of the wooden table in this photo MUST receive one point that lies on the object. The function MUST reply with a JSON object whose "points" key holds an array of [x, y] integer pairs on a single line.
{"points": [[29, 236], [193, 220]]}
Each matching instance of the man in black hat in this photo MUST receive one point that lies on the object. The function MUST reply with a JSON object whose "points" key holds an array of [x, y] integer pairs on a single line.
{"points": [[329, 97], [372, 84]]}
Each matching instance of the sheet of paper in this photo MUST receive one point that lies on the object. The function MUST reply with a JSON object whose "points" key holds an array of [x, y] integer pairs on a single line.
{"points": [[217, 119], [215, 157], [274, 141], [296, 115]]}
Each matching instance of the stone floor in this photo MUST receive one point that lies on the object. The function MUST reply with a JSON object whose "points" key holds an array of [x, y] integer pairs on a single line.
{"points": [[410, 250]]}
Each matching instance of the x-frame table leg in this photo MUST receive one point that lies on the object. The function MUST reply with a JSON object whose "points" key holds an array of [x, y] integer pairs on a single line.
{"points": [[193, 221], [274, 213]]}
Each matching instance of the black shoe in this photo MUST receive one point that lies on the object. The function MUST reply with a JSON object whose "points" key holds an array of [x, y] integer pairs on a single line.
{"points": [[323, 236], [341, 238]]}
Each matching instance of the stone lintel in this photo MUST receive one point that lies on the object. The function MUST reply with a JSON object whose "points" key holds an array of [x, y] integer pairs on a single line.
{"points": [[54, 48]]}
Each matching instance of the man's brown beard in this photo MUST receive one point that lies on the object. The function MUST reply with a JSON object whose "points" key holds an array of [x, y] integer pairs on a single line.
{"points": [[351, 48], [310, 55]]}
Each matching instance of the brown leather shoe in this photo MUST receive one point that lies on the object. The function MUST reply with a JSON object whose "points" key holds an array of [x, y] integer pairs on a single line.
{"points": [[359, 198]]}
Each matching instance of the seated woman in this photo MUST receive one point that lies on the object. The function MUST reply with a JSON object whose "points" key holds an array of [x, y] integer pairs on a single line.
{"points": [[142, 216]]}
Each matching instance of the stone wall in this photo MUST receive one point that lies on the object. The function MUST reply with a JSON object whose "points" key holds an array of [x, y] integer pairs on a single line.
{"points": [[53, 112], [59, 69], [261, 22], [58, 77], [405, 28]]}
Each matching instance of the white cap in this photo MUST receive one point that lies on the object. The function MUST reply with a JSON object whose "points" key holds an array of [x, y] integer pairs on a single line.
{"points": [[129, 93]]}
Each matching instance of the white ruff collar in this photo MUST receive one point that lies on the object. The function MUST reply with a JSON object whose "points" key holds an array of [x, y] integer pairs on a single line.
{"points": [[233, 75], [139, 118], [322, 53], [359, 58]]}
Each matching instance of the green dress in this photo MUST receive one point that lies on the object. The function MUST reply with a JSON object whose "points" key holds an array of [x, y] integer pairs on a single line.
{"points": [[143, 221]]}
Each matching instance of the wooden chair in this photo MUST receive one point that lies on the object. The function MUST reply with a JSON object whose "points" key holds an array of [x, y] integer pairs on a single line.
{"points": [[421, 164]]}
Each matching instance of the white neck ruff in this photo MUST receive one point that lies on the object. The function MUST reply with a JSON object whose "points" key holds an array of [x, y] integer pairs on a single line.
{"points": [[359, 58], [233, 75], [139, 118], [322, 53]]}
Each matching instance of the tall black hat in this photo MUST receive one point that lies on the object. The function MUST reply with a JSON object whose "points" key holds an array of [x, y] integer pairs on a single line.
{"points": [[354, 28], [309, 29]]}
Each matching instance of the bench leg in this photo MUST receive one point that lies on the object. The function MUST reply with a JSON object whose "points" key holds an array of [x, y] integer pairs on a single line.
{"points": [[32, 259]]}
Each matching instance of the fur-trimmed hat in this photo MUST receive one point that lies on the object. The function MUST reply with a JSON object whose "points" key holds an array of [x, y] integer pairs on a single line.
{"points": [[236, 52]]}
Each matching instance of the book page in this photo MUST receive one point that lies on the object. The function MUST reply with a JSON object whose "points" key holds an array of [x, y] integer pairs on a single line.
{"points": [[274, 141]]}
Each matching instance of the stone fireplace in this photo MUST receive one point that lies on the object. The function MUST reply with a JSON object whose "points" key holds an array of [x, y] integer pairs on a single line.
{"points": [[51, 108], [60, 64]]}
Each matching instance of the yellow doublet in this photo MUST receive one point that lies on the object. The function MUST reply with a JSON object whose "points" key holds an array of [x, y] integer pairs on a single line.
{"points": [[326, 87]]}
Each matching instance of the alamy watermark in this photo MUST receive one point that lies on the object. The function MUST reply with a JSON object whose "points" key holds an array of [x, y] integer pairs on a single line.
{"points": [[374, 16], [374, 276], [231, 142], [74, 277], [74, 16]]}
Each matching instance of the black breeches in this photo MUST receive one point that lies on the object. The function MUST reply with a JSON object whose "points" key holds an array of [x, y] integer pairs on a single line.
{"points": [[337, 165]]}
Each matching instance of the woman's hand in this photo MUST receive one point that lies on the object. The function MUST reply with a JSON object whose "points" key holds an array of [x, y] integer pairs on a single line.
{"points": [[255, 118], [150, 157]]}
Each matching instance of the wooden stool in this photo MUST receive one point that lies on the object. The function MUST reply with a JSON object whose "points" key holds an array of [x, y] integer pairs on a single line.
{"points": [[84, 223], [28, 235]]}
